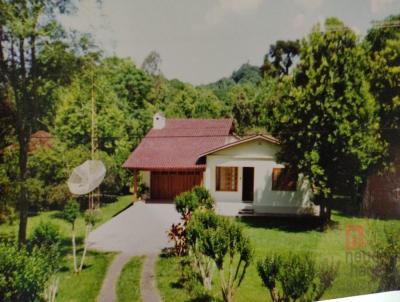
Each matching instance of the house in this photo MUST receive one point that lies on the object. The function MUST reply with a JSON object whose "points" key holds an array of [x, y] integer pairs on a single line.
{"points": [[39, 139], [178, 154]]}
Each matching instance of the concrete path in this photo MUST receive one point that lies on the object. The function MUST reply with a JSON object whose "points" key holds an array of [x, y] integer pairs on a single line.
{"points": [[139, 230], [109, 289], [148, 288]]}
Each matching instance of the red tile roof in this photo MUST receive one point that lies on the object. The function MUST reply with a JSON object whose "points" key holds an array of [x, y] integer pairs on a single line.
{"points": [[39, 139], [179, 144]]}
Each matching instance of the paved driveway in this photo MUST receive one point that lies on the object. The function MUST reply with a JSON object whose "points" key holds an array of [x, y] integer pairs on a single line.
{"points": [[139, 230]]}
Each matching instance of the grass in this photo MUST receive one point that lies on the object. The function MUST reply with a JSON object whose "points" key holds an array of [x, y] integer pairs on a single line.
{"points": [[107, 212], [284, 236], [85, 286], [128, 287]]}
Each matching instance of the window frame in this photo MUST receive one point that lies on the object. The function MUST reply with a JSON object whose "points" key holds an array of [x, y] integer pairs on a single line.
{"points": [[283, 185], [233, 187]]}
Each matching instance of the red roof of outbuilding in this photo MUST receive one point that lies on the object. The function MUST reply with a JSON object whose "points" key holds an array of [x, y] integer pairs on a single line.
{"points": [[179, 144]]}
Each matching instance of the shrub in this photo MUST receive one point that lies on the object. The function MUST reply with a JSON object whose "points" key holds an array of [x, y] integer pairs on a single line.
{"points": [[295, 277], [7, 214], [45, 235], [186, 203], [221, 240], [204, 197], [24, 275], [385, 253]]}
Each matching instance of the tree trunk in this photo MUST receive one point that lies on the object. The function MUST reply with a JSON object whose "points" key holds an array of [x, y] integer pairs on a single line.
{"points": [[88, 229], [22, 200], [325, 211], [74, 250]]}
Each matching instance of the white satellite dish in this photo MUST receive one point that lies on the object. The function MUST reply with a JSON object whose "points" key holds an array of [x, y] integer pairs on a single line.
{"points": [[86, 177]]}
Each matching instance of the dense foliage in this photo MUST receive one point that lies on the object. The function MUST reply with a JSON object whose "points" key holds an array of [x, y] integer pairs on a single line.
{"points": [[185, 204], [384, 245], [329, 121], [24, 274]]}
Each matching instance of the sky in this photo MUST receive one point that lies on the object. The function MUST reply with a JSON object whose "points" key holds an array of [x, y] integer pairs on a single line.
{"points": [[200, 41]]}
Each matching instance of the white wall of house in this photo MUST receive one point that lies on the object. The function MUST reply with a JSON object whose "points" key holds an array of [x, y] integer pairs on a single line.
{"points": [[259, 154]]}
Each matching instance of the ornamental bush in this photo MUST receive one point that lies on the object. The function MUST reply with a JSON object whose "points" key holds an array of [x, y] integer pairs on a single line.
{"points": [[296, 277], [187, 202], [219, 241]]}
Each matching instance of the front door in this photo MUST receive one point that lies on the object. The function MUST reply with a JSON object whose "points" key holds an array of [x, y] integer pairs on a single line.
{"points": [[248, 184]]}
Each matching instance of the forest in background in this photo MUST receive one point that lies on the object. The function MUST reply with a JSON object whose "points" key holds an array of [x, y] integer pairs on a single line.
{"points": [[332, 98]]}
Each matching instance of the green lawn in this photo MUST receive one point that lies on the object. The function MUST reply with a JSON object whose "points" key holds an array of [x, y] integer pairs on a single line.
{"points": [[85, 286], [107, 212], [128, 287], [283, 236]]}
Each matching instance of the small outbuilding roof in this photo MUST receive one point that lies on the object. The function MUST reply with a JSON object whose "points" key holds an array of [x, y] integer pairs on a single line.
{"points": [[179, 143], [39, 139]]}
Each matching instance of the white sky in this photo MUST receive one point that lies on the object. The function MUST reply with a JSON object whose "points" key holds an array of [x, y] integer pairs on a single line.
{"points": [[201, 41]]}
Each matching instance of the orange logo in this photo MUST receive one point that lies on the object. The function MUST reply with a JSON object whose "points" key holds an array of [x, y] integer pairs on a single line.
{"points": [[355, 237]]}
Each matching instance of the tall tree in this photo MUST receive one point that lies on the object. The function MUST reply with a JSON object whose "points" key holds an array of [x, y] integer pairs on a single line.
{"points": [[26, 26], [281, 57], [329, 125], [383, 42], [151, 64]]}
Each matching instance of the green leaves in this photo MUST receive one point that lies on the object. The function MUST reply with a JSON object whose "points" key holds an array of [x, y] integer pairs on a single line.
{"points": [[71, 211], [24, 275], [187, 202], [330, 113], [296, 277], [221, 239]]}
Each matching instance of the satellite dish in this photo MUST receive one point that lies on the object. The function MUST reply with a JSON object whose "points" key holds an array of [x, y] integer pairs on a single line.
{"points": [[86, 177]]}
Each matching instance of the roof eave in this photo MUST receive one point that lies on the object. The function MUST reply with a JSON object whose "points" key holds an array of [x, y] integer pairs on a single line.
{"points": [[239, 142]]}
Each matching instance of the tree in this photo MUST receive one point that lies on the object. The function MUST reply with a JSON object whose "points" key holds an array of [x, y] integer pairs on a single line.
{"points": [[280, 58], [247, 74], [383, 44], [70, 214], [25, 26], [91, 218], [151, 64], [223, 241], [328, 124]]}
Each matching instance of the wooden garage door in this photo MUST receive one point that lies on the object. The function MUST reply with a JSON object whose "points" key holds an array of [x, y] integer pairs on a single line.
{"points": [[165, 185]]}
